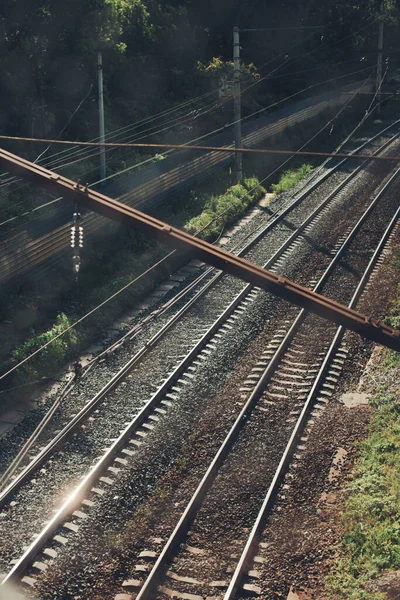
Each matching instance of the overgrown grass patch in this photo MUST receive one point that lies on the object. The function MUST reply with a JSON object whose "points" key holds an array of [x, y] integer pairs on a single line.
{"points": [[225, 209], [49, 359], [371, 525], [290, 177]]}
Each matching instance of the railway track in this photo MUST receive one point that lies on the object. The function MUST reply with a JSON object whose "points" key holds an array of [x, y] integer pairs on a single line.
{"points": [[295, 386], [331, 366], [210, 276], [118, 456]]}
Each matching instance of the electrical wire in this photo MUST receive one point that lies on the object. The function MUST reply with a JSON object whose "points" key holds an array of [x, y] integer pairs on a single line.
{"points": [[207, 110], [187, 145], [66, 125], [89, 152], [283, 65], [146, 160], [184, 146], [136, 124], [255, 83], [292, 62], [343, 39], [330, 122], [157, 263]]}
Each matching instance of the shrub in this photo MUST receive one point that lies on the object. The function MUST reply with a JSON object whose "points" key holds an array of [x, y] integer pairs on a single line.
{"points": [[225, 209], [49, 359], [290, 178], [253, 186]]}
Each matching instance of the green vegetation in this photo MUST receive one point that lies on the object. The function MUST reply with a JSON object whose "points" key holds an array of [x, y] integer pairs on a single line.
{"points": [[289, 179], [371, 536], [225, 209], [48, 360], [371, 526]]}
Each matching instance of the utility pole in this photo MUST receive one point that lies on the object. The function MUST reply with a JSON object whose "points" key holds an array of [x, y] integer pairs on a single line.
{"points": [[101, 116], [379, 64], [237, 105]]}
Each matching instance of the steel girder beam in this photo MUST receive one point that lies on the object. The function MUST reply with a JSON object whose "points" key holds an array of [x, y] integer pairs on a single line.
{"points": [[239, 267]]}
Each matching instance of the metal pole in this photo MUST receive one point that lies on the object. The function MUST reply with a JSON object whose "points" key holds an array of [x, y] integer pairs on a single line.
{"points": [[101, 116], [379, 64], [237, 104]]}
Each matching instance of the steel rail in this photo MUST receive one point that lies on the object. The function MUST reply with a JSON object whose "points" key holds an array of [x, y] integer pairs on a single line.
{"points": [[308, 188], [77, 496], [62, 437], [253, 539], [148, 590], [9, 472], [239, 267]]}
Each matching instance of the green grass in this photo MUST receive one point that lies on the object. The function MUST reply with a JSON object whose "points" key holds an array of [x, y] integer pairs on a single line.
{"points": [[371, 525], [51, 357], [290, 178], [231, 205]]}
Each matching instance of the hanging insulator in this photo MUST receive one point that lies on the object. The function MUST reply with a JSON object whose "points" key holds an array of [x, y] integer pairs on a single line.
{"points": [[73, 234], [76, 240]]}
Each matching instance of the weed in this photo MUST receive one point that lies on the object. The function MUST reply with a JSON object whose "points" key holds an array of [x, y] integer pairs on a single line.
{"points": [[371, 528], [231, 205], [51, 357], [290, 178]]}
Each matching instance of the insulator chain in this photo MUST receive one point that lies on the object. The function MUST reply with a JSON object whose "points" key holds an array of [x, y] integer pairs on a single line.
{"points": [[76, 241]]}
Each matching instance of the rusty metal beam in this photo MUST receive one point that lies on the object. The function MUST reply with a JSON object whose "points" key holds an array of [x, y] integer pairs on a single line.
{"points": [[239, 267]]}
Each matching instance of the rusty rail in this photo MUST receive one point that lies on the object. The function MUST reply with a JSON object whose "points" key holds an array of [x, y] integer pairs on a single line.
{"points": [[239, 267]]}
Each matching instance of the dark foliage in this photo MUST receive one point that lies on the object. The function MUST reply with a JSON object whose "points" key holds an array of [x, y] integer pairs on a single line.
{"points": [[151, 51]]}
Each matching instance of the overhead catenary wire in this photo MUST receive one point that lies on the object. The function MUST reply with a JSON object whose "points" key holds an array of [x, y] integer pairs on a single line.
{"points": [[130, 168], [90, 153], [155, 265], [330, 122], [87, 153], [294, 61], [187, 145], [37, 159], [266, 151], [284, 28], [64, 165], [283, 64], [292, 153], [372, 20], [151, 118], [131, 126]]}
